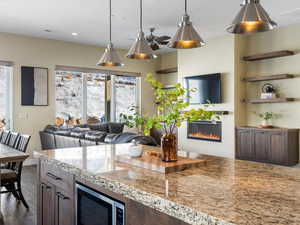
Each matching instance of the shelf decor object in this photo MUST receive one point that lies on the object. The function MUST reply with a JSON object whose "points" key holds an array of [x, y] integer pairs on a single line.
{"points": [[186, 36], [269, 55], [268, 77], [141, 49], [34, 86], [272, 100], [251, 19], [169, 70], [110, 57]]}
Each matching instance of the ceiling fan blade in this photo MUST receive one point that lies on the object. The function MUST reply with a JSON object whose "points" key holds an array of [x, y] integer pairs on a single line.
{"points": [[162, 38], [163, 42]]}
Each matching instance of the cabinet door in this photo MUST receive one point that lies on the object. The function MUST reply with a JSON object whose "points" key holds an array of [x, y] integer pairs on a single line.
{"points": [[64, 208], [47, 201], [244, 148], [261, 146], [278, 150]]}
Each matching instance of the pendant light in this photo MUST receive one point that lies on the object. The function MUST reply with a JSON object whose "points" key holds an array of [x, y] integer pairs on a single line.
{"points": [[141, 49], [252, 18], [110, 57], [186, 36]]}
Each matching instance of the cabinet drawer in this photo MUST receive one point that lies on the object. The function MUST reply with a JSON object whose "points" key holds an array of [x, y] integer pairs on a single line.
{"points": [[57, 177]]}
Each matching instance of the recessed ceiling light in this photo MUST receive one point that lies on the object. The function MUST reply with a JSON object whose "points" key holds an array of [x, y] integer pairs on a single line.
{"points": [[75, 34]]}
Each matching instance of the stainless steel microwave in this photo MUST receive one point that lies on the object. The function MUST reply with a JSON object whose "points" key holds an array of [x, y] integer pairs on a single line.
{"points": [[95, 208]]}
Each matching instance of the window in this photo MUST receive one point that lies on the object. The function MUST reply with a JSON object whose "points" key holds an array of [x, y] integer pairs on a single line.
{"points": [[68, 95], [125, 89], [88, 96], [95, 86], [5, 76]]}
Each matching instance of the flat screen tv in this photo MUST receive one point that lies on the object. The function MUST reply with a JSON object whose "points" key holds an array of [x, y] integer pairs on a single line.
{"points": [[207, 89]]}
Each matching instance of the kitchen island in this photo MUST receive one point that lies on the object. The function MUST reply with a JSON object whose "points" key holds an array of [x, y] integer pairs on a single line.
{"points": [[222, 192]]}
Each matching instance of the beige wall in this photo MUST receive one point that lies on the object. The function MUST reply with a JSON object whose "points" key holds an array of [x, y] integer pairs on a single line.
{"points": [[287, 38], [164, 62], [28, 51], [217, 56]]}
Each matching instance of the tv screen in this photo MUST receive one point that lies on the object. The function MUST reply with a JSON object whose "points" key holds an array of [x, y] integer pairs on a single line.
{"points": [[208, 89]]}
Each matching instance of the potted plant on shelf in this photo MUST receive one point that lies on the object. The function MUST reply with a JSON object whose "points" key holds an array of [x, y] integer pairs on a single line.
{"points": [[267, 117], [172, 112]]}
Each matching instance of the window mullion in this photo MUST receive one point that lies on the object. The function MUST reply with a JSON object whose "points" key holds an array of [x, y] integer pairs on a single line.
{"points": [[84, 97]]}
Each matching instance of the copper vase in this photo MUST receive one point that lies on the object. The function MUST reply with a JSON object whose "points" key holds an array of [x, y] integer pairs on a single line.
{"points": [[169, 148]]}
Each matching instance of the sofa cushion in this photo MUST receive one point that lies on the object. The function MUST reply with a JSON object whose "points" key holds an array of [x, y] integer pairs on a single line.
{"points": [[129, 137], [110, 138], [66, 142], [97, 136], [79, 132], [86, 143], [115, 128], [47, 140], [99, 126]]}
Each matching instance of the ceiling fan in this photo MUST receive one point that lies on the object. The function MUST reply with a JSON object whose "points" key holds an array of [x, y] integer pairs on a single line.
{"points": [[155, 41]]}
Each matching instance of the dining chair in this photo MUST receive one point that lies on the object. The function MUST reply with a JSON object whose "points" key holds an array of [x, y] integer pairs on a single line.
{"points": [[23, 142], [11, 176], [14, 139], [5, 137]]}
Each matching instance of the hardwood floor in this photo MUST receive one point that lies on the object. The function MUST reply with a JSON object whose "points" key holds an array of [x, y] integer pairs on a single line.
{"points": [[13, 211]]}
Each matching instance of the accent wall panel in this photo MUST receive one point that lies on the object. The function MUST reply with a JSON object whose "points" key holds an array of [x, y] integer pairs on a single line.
{"points": [[34, 86]]}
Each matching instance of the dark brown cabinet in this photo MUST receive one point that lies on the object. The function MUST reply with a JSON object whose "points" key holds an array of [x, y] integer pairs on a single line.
{"points": [[278, 146], [63, 208], [47, 201], [56, 197]]}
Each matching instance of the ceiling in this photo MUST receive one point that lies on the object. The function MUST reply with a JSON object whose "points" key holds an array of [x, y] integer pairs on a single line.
{"points": [[89, 18]]}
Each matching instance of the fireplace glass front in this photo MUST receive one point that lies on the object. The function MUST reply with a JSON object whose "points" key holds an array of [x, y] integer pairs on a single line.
{"points": [[205, 130]]}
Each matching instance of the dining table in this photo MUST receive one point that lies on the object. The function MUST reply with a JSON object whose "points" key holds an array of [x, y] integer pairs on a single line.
{"points": [[9, 154]]}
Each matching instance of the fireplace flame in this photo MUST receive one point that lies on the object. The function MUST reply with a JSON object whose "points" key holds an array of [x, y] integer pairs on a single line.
{"points": [[203, 135]]}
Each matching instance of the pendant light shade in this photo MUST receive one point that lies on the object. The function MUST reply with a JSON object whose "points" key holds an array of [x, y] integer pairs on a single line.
{"points": [[140, 48], [110, 57], [186, 36], [252, 18]]}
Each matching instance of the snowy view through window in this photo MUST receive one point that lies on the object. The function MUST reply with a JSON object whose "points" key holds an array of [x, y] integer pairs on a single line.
{"points": [[73, 89], [5, 73]]}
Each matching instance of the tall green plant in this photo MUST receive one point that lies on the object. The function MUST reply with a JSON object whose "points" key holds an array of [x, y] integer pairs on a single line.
{"points": [[172, 109]]}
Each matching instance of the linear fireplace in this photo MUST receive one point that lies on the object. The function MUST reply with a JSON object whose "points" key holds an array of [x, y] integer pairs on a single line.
{"points": [[205, 130]]}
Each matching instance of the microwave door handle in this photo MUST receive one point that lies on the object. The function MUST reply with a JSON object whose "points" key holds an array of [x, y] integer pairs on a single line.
{"points": [[114, 215]]}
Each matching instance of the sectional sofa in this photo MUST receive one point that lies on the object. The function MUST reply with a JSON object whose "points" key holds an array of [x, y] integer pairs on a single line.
{"points": [[53, 137]]}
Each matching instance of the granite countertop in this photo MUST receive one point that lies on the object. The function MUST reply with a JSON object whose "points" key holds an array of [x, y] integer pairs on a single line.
{"points": [[223, 192]]}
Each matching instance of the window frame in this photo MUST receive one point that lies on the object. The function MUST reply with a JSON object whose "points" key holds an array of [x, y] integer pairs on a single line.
{"points": [[109, 113]]}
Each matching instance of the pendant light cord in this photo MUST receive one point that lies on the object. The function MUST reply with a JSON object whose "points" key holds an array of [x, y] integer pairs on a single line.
{"points": [[185, 8], [110, 21], [141, 15]]}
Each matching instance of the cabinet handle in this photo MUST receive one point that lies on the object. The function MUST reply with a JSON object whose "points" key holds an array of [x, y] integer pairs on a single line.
{"points": [[60, 195], [53, 176]]}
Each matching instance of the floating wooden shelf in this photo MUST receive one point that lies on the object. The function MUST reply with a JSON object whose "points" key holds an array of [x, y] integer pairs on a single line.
{"points": [[269, 77], [218, 112], [269, 55], [273, 100], [169, 70]]}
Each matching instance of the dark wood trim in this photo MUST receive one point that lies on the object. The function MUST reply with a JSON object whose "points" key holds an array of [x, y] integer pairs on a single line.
{"points": [[169, 70], [269, 55], [268, 77], [274, 100]]}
